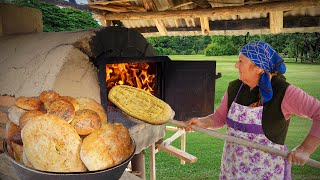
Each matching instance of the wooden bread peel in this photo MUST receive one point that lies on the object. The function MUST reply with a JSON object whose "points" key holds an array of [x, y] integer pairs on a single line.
{"points": [[147, 97]]}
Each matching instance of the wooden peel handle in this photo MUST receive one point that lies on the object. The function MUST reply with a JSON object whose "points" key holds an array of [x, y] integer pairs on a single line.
{"points": [[241, 141]]}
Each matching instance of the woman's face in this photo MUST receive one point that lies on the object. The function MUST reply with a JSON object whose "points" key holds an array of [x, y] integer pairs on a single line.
{"points": [[247, 70]]}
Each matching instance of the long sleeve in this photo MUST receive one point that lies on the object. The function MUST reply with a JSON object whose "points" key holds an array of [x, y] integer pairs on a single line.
{"points": [[220, 115], [298, 102]]}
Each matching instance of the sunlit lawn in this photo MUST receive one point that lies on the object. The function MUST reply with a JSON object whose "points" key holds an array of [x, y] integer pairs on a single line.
{"points": [[208, 150]]}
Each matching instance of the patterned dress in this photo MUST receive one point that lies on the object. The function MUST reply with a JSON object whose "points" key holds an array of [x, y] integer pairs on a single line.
{"points": [[241, 162]]}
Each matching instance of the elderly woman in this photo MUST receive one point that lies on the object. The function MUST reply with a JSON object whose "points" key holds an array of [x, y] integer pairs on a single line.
{"points": [[258, 107]]}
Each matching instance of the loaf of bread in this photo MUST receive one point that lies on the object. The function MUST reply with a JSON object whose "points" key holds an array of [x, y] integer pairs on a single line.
{"points": [[14, 114], [47, 97], [13, 133], [140, 104], [27, 116], [86, 121], [52, 144], [28, 103], [88, 103], [106, 147], [62, 108]]}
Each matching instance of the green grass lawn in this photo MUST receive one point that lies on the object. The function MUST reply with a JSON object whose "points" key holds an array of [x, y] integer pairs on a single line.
{"points": [[208, 150]]}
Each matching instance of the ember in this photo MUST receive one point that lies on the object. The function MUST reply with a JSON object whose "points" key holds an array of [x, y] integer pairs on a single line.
{"points": [[134, 74]]}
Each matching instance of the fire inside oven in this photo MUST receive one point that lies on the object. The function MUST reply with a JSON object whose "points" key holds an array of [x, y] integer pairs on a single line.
{"points": [[144, 73], [141, 75], [187, 86]]}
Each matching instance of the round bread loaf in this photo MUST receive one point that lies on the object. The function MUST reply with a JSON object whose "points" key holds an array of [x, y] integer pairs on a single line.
{"points": [[14, 114], [74, 102], [17, 152], [85, 121], [62, 108], [88, 103], [25, 160], [47, 97], [28, 103], [51, 144], [13, 133], [27, 116], [106, 147]]}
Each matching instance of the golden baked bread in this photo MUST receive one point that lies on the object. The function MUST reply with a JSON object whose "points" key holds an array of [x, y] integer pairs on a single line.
{"points": [[25, 160], [62, 108], [88, 103], [47, 97], [13, 133], [27, 116], [106, 147], [51, 144], [17, 152], [140, 104], [85, 121], [28, 103], [72, 100], [14, 114]]}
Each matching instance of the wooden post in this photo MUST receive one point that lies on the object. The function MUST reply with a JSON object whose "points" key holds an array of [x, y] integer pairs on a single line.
{"points": [[276, 22], [205, 28], [152, 157], [183, 146], [161, 27], [138, 164]]}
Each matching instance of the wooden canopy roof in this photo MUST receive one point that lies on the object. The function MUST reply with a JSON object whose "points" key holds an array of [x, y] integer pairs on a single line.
{"points": [[209, 17]]}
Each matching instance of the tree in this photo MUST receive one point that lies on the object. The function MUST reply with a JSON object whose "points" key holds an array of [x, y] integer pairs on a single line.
{"points": [[60, 19]]}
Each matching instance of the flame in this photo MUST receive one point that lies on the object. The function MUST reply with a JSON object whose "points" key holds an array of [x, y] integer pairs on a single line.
{"points": [[133, 74]]}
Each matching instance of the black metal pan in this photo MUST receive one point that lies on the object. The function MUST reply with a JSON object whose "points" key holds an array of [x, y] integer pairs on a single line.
{"points": [[26, 173]]}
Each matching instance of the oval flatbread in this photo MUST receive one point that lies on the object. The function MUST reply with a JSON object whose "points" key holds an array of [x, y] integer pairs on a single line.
{"points": [[27, 116], [47, 97], [74, 102], [13, 133], [88, 103], [14, 114], [85, 121], [106, 147], [62, 108], [28, 103], [51, 144], [140, 104]]}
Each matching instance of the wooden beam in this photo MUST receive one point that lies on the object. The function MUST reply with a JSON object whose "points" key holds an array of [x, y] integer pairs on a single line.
{"points": [[149, 5], [276, 22], [180, 5], [205, 29], [178, 153], [176, 135], [176, 23], [220, 11], [152, 157], [202, 3], [234, 32], [172, 128], [183, 146], [160, 26]]}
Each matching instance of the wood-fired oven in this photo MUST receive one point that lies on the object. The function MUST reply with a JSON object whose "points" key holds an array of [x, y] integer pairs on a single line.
{"points": [[187, 86]]}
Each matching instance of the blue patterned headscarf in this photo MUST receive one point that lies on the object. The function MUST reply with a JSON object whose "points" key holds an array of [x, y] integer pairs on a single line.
{"points": [[265, 57]]}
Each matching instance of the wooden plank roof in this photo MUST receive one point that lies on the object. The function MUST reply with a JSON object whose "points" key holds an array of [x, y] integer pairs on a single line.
{"points": [[209, 17]]}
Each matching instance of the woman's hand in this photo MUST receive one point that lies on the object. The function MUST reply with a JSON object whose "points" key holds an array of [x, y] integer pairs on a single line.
{"points": [[298, 156], [204, 122]]}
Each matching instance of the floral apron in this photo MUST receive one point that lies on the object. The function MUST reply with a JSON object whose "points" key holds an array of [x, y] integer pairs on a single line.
{"points": [[241, 162]]}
